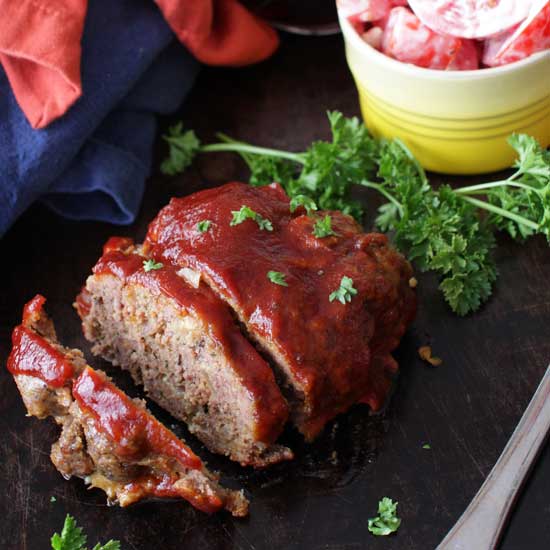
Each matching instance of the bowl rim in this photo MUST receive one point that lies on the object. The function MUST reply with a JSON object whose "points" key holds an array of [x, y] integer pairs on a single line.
{"points": [[412, 70]]}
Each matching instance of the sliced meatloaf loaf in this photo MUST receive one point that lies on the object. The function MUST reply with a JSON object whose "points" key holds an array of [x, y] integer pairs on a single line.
{"points": [[330, 346], [181, 342], [108, 439]]}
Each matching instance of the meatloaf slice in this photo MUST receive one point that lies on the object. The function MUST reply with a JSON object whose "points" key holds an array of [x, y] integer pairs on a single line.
{"points": [[108, 439], [181, 342], [328, 354]]}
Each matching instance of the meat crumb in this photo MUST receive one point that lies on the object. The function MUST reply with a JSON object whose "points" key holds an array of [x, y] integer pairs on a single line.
{"points": [[425, 353], [413, 283]]}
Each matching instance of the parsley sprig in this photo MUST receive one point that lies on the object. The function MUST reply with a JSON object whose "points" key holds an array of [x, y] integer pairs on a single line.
{"points": [[443, 230], [386, 522], [72, 538], [183, 148], [246, 213]]}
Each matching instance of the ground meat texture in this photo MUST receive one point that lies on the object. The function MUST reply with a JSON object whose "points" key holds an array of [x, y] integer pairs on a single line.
{"points": [[327, 355], [108, 439], [183, 345], [69, 453]]}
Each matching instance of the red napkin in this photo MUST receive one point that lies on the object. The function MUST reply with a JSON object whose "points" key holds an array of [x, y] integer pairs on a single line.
{"points": [[40, 45]]}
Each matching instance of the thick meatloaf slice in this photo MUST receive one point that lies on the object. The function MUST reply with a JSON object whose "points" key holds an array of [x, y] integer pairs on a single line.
{"points": [[181, 342], [329, 355], [108, 439]]}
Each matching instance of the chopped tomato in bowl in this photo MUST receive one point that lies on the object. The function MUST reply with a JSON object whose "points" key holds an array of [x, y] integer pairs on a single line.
{"points": [[452, 34]]}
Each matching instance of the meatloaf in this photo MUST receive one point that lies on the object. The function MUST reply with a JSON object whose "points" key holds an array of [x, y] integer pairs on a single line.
{"points": [[181, 342], [327, 353], [108, 439]]}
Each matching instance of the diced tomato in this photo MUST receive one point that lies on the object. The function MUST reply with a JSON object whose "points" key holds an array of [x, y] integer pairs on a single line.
{"points": [[373, 37], [532, 36], [467, 58], [407, 39], [471, 18], [493, 45]]}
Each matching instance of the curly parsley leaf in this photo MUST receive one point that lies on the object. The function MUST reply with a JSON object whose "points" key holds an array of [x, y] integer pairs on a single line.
{"points": [[344, 292], [246, 213], [437, 230], [151, 265], [278, 278], [532, 159], [520, 204], [183, 148], [268, 169], [301, 200], [73, 538], [330, 168], [386, 522], [526, 194]]}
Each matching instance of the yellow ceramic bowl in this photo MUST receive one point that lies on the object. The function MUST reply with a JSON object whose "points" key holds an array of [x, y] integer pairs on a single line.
{"points": [[455, 122]]}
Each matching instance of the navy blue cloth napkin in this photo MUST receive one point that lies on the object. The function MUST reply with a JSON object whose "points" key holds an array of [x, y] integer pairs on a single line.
{"points": [[91, 164]]}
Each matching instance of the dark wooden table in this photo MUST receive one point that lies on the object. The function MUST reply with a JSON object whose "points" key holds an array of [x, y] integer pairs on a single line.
{"points": [[466, 409]]}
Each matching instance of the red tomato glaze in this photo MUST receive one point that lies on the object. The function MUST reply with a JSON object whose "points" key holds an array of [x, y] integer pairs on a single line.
{"points": [[328, 346], [32, 355], [136, 432]]}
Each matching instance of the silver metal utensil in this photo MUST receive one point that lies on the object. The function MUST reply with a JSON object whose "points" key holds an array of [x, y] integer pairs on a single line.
{"points": [[481, 525]]}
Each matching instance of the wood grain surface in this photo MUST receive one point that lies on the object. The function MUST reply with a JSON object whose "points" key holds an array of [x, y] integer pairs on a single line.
{"points": [[465, 409]]}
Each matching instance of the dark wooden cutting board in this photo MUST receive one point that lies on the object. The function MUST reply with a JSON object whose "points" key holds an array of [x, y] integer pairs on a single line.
{"points": [[465, 409]]}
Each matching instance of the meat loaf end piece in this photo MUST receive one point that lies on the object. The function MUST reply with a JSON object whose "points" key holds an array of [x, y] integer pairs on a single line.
{"points": [[108, 439], [181, 342], [329, 355]]}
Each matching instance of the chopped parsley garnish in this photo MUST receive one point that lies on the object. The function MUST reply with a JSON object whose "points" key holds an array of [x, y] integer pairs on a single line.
{"points": [[386, 522], [246, 213], [344, 292], [426, 446], [302, 200], [204, 225], [440, 229], [323, 227], [72, 538], [150, 265], [276, 277], [264, 223]]}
